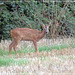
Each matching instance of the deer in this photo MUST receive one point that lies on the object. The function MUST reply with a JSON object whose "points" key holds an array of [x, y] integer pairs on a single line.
{"points": [[27, 34]]}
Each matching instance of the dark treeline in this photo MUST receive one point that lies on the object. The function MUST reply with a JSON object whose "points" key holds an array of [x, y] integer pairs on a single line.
{"points": [[15, 14]]}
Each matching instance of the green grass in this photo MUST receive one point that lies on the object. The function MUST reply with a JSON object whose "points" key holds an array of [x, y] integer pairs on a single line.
{"points": [[41, 48], [28, 50], [22, 61], [3, 52], [66, 57], [49, 48], [5, 61], [72, 45]]}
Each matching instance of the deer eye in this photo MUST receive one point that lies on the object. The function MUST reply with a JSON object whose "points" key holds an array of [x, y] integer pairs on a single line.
{"points": [[45, 27]]}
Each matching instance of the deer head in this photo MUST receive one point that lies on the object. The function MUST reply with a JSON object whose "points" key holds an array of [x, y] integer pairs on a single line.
{"points": [[45, 28]]}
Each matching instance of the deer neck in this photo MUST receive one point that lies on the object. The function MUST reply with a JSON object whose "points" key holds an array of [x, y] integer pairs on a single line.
{"points": [[42, 34]]}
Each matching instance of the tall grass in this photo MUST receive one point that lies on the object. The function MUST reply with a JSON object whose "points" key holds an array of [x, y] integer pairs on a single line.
{"points": [[28, 48], [41, 48], [6, 61]]}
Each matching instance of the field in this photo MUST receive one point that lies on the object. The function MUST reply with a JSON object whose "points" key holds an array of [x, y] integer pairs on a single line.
{"points": [[55, 57]]}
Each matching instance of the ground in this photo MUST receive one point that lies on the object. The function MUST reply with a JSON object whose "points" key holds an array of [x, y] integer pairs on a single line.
{"points": [[55, 57], [55, 62]]}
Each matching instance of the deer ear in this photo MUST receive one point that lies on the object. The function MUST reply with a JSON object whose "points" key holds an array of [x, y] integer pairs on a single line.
{"points": [[43, 25]]}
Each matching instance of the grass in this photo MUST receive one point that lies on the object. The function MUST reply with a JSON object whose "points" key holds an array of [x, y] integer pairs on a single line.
{"points": [[66, 57], [21, 61], [41, 48], [3, 52], [5, 61], [49, 48], [72, 45]]}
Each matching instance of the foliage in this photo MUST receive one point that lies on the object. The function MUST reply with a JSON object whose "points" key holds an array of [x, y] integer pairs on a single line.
{"points": [[31, 13]]}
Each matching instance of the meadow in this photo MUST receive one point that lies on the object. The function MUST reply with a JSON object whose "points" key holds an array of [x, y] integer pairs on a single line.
{"points": [[56, 56]]}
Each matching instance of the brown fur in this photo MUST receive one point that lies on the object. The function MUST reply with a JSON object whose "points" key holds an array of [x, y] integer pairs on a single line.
{"points": [[27, 34]]}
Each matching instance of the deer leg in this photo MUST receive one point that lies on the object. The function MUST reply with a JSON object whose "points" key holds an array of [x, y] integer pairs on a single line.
{"points": [[10, 47], [15, 45], [35, 45]]}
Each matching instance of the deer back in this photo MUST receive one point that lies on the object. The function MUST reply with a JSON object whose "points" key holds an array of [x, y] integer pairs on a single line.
{"points": [[25, 33]]}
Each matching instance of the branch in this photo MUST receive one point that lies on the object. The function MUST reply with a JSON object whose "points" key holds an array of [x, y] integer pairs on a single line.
{"points": [[61, 12]]}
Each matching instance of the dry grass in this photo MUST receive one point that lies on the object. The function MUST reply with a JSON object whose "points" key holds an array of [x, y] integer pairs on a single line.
{"points": [[44, 63], [4, 45], [55, 62]]}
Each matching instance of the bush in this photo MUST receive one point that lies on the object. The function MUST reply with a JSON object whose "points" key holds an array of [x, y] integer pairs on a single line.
{"points": [[31, 14]]}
